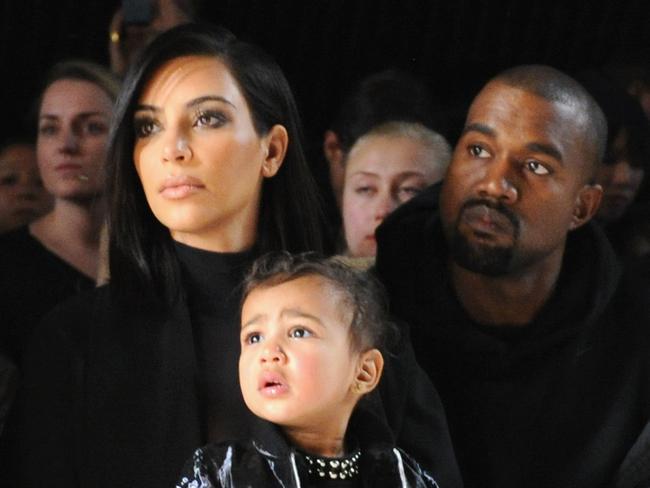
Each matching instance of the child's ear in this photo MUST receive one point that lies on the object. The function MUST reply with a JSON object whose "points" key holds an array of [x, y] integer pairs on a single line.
{"points": [[277, 141], [371, 364]]}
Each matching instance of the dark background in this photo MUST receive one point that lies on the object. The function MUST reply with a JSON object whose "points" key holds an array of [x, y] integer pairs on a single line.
{"points": [[324, 46]]}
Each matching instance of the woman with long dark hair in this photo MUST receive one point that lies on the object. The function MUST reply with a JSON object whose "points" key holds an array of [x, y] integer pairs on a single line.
{"points": [[205, 172]]}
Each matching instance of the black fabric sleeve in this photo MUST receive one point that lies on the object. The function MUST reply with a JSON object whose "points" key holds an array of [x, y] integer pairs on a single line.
{"points": [[416, 416]]}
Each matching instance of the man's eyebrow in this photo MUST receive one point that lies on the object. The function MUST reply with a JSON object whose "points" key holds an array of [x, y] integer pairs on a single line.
{"points": [[545, 149], [480, 128]]}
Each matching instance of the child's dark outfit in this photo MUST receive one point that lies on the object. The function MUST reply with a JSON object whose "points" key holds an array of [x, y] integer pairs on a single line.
{"points": [[267, 460]]}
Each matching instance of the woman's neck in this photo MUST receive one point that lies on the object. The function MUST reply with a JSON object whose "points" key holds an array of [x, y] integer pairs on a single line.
{"points": [[72, 232]]}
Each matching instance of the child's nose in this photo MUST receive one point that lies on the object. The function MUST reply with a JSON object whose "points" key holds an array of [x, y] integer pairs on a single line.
{"points": [[273, 353]]}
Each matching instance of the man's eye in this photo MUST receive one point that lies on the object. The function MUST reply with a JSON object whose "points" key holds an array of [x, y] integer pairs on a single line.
{"points": [[478, 152], [144, 127], [537, 168], [299, 333]]}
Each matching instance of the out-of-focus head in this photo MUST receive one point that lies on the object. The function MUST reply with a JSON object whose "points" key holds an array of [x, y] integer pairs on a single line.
{"points": [[137, 22], [75, 110], [310, 337], [382, 97], [386, 167], [207, 144], [627, 155], [521, 175], [22, 195]]}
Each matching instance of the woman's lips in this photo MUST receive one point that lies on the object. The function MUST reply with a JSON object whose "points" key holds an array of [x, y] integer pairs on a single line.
{"points": [[177, 187], [272, 384]]}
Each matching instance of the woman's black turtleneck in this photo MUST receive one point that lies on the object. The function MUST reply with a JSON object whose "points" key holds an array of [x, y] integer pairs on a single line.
{"points": [[213, 288]]}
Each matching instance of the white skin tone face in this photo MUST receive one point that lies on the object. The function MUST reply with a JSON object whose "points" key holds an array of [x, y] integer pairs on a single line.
{"points": [[22, 196], [381, 173], [72, 133], [297, 366], [620, 181], [199, 158]]}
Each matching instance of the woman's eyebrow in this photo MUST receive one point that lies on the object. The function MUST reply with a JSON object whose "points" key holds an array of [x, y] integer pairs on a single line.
{"points": [[209, 98]]}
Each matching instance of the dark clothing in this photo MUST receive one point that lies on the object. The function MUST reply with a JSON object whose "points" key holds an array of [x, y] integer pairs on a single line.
{"points": [[558, 402], [267, 460], [33, 280], [116, 399]]}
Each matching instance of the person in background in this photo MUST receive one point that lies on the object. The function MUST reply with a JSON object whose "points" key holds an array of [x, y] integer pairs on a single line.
{"points": [[205, 172], [22, 195], [536, 338], [385, 96], [622, 171], [386, 167], [137, 22], [312, 335], [57, 255]]}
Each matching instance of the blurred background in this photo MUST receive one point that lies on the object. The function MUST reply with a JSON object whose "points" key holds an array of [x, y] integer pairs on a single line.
{"points": [[325, 46]]}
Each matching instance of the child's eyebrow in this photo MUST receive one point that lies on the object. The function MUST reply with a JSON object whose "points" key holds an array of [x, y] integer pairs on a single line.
{"points": [[297, 313], [252, 321]]}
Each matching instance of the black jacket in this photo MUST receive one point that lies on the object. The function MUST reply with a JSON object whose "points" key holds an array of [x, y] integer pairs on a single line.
{"points": [[111, 399], [560, 402], [267, 460]]}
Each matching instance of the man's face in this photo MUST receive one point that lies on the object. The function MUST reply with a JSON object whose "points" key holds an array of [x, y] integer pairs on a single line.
{"points": [[516, 182]]}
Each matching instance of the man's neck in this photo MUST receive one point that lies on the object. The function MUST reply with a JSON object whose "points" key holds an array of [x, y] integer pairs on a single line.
{"points": [[509, 300]]}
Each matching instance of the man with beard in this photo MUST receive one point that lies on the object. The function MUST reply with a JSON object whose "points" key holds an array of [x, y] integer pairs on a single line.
{"points": [[519, 312]]}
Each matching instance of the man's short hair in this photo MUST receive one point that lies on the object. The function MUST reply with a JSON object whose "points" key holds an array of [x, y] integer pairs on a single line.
{"points": [[555, 86]]}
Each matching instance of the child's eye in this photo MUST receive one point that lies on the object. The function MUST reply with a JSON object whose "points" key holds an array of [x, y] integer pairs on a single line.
{"points": [[299, 333], [253, 338]]}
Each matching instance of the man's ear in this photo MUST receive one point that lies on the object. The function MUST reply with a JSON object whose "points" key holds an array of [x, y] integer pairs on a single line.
{"points": [[370, 366], [586, 205], [277, 141]]}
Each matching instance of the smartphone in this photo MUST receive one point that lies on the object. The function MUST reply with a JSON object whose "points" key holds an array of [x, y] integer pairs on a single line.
{"points": [[137, 12]]}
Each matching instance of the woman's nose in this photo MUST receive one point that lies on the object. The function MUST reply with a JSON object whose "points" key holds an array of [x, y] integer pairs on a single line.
{"points": [[384, 205], [69, 141], [177, 149]]}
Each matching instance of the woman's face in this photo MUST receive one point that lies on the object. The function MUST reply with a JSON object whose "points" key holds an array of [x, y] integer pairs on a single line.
{"points": [[620, 181], [381, 173], [198, 155], [72, 132]]}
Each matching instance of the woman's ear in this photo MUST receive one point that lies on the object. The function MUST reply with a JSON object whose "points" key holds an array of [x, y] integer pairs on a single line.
{"points": [[586, 205], [277, 141], [370, 366]]}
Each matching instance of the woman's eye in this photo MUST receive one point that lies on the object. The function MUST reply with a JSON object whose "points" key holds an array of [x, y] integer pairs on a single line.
{"points": [[537, 168], [144, 127], [299, 333], [210, 119], [407, 192], [47, 130], [96, 128], [364, 190], [478, 152]]}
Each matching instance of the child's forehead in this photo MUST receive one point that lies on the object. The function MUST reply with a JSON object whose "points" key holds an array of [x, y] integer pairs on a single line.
{"points": [[313, 287]]}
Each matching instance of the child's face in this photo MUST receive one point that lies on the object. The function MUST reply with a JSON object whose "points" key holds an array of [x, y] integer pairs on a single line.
{"points": [[297, 366]]}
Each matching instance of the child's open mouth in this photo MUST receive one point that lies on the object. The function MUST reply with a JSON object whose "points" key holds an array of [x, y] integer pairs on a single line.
{"points": [[272, 384]]}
